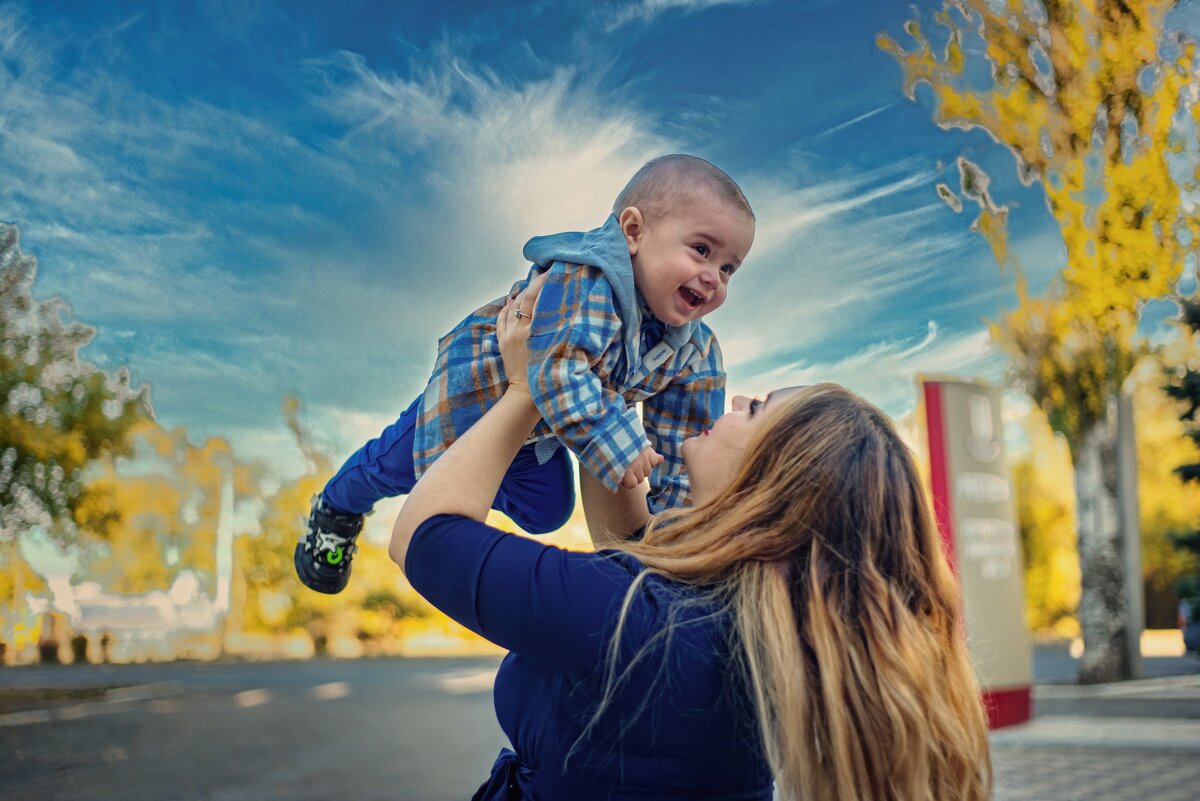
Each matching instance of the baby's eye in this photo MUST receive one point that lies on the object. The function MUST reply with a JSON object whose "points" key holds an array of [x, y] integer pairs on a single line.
{"points": [[728, 269], [754, 406], [701, 249]]}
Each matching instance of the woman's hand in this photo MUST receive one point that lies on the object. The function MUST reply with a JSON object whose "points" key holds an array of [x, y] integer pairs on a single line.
{"points": [[464, 480], [512, 333]]}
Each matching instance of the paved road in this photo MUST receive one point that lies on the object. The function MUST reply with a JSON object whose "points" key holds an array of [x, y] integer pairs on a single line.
{"points": [[424, 729], [394, 729]]}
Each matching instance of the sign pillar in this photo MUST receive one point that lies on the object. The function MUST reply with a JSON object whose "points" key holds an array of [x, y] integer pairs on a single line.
{"points": [[975, 511]]}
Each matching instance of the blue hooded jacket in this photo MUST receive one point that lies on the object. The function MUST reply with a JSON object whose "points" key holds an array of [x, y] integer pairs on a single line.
{"points": [[589, 367]]}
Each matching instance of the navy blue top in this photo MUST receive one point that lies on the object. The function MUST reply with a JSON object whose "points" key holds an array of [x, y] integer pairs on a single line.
{"points": [[681, 722]]}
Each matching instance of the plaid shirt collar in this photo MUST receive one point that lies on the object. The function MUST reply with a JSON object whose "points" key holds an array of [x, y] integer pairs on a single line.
{"points": [[654, 330]]}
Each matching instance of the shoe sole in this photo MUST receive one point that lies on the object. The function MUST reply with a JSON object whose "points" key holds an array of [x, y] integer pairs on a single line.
{"points": [[309, 577]]}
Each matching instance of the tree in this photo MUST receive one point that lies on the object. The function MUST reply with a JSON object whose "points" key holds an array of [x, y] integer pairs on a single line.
{"points": [[1183, 386], [58, 413], [157, 513], [270, 595], [1095, 100], [1046, 504]]}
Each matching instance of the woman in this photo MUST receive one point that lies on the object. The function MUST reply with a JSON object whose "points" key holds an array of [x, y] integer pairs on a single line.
{"points": [[797, 623]]}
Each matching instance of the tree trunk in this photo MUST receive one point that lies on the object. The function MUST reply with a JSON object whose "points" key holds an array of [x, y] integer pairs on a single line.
{"points": [[1131, 532], [1102, 602]]}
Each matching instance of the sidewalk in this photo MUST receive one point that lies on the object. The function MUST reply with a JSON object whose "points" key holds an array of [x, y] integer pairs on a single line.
{"points": [[1114, 742]]}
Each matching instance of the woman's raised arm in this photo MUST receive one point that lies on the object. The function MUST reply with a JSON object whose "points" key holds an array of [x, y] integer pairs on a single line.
{"points": [[464, 480]]}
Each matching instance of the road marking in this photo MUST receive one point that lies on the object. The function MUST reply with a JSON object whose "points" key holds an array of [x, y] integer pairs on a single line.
{"points": [[164, 706], [75, 712], [461, 682], [115, 700], [78, 711], [25, 718], [115, 753], [143, 692], [330, 691], [249, 698]]}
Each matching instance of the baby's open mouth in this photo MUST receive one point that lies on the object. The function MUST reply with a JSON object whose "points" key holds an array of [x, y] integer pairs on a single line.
{"points": [[692, 299]]}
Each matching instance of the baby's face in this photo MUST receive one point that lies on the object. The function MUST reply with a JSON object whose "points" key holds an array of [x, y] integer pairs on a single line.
{"points": [[683, 261]]}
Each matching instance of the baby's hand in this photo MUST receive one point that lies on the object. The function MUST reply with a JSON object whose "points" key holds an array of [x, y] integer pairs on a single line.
{"points": [[637, 472]]}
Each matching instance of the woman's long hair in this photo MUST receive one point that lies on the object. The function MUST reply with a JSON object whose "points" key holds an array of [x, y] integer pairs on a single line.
{"points": [[824, 547]]}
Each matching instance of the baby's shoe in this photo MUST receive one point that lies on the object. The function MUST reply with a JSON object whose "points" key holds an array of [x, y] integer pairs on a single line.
{"points": [[326, 548]]}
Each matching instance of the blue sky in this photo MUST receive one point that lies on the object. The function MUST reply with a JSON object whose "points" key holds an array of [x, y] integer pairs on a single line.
{"points": [[253, 199]]}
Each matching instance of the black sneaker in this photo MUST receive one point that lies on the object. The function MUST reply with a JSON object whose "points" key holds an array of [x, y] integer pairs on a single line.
{"points": [[325, 550]]}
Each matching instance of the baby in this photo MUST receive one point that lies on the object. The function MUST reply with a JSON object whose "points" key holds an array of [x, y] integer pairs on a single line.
{"points": [[617, 322]]}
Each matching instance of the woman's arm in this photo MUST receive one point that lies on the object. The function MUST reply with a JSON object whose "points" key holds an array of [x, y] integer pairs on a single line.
{"points": [[612, 517], [464, 480]]}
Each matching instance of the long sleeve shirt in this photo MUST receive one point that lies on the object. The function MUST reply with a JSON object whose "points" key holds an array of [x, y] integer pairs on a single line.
{"points": [[588, 369], [680, 722]]}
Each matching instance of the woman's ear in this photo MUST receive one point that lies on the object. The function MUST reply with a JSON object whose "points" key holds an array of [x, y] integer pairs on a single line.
{"points": [[633, 226]]}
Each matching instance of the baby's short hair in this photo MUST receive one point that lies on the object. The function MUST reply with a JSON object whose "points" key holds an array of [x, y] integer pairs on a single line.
{"points": [[662, 183]]}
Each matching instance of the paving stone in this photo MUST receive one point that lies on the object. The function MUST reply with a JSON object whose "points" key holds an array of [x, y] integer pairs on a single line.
{"points": [[1072, 774]]}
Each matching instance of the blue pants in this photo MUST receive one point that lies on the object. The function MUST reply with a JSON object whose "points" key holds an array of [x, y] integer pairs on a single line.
{"points": [[537, 497]]}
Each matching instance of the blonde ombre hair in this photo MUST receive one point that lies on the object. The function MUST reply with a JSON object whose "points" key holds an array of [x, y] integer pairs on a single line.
{"points": [[825, 552]]}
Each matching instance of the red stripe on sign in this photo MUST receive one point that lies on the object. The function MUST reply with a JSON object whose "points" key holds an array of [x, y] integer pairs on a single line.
{"points": [[1007, 707], [939, 476]]}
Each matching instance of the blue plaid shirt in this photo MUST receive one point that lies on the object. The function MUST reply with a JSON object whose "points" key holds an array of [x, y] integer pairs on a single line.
{"points": [[582, 382]]}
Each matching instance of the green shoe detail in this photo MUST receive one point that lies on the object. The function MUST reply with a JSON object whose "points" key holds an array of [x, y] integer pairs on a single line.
{"points": [[335, 557]]}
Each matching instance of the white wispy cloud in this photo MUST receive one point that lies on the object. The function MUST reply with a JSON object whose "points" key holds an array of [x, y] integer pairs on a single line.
{"points": [[538, 155], [861, 117], [519, 159], [80, 158], [455, 189], [102, 178], [886, 372], [787, 211], [471, 166], [229, 299], [835, 263], [644, 11]]}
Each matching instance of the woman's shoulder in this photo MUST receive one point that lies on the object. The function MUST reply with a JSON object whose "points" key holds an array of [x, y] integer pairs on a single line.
{"points": [[660, 593], [619, 560], [616, 566]]}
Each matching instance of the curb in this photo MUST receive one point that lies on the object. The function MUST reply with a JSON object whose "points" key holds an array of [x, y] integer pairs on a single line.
{"points": [[1165, 687], [115, 700], [1119, 733]]}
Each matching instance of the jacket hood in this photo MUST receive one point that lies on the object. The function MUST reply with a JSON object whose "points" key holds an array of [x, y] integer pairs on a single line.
{"points": [[605, 248]]}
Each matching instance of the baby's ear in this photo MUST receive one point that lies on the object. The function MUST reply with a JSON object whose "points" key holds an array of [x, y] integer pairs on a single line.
{"points": [[633, 226]]}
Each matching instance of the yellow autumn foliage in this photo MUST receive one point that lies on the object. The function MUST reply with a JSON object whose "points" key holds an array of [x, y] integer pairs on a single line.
{"points": [[1093, 98], [1167, 505], [14, 571], [157, 512], [1046, 502], [267, 593], [1046, 515]]}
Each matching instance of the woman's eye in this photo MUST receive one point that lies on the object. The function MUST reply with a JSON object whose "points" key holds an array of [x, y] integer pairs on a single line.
{"points": [[754, 406], [701, 249]]}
